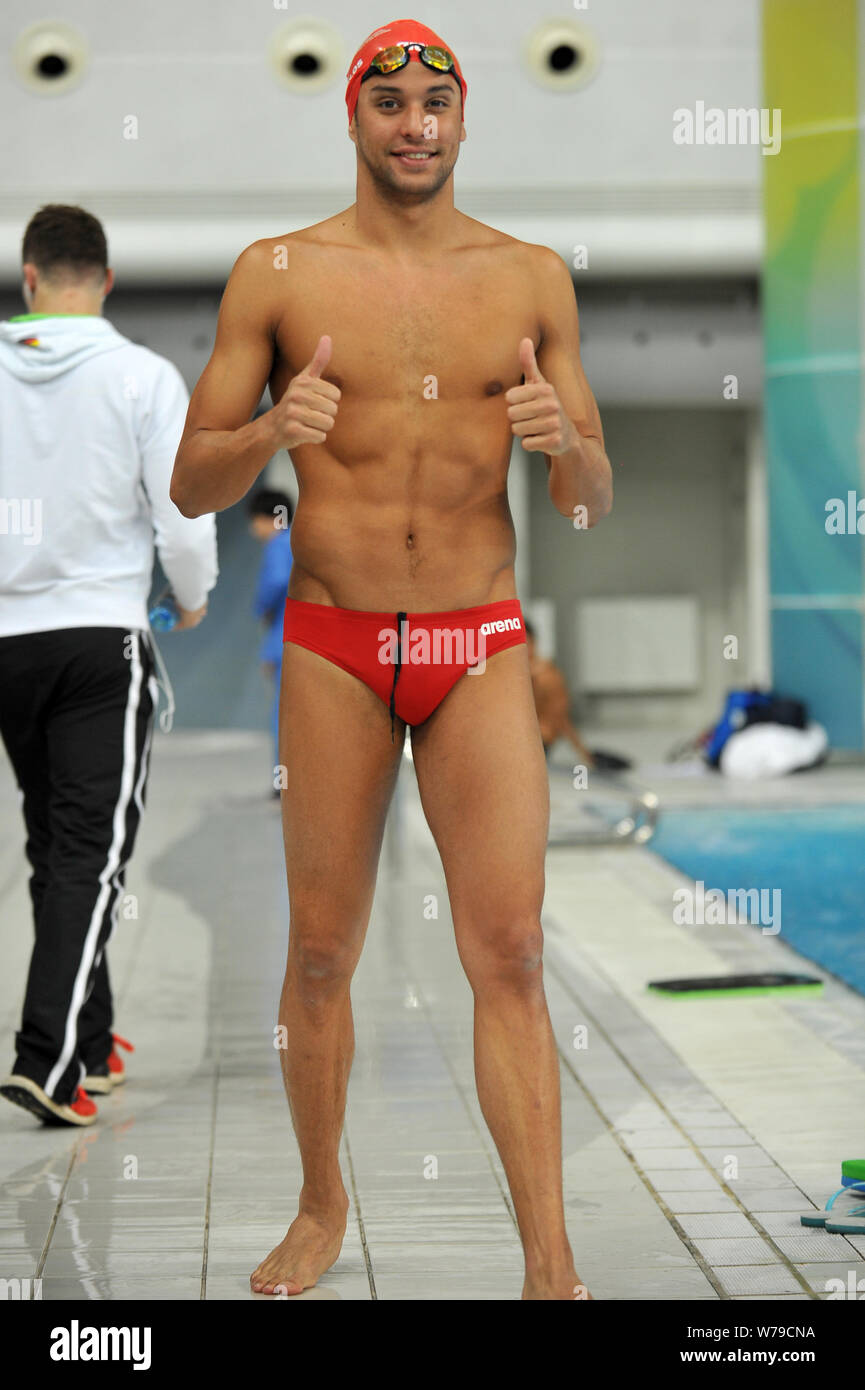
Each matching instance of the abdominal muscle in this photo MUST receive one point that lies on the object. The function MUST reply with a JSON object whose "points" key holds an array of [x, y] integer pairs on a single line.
{"points": [[403, 534]]}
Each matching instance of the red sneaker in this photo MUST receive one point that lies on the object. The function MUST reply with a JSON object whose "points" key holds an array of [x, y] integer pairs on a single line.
{"points": [[30, 1096], [83, 1107], [112, 1072]]}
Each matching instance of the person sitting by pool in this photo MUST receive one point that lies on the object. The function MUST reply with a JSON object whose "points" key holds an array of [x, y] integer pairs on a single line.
{"points": [[552, 701], [552, 704]]}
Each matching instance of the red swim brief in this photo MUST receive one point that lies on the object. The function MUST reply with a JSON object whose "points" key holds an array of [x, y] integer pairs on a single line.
{"points": [[410, 660]]}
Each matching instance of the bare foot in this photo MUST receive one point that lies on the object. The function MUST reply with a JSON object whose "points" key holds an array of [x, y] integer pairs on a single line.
{"points": [[566, 1285], [311, 1246]]}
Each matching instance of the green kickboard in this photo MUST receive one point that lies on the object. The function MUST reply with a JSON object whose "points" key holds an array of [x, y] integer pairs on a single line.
{"points": [[725, 986]]}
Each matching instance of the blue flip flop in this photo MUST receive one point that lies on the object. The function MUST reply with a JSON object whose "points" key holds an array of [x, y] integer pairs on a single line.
{"points": [[852, 1223], [821, 1218]]}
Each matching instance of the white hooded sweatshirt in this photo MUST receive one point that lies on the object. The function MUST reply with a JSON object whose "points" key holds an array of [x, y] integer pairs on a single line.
{"points": [[89, 427]]}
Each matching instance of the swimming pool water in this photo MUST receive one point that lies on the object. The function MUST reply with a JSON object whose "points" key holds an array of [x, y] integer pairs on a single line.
{"points": [[814, 855]]}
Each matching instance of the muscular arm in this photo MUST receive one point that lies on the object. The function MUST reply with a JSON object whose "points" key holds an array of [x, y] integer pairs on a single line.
{"points": [[582, 475], [221, 450]]}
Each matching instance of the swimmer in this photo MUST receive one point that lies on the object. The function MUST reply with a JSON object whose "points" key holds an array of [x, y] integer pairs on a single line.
{"points": [[405, 346], [551, 701]]}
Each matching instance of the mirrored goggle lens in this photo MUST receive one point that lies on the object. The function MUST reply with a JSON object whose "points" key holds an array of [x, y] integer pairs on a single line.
{"points": [[389, 59], [438, 58]]}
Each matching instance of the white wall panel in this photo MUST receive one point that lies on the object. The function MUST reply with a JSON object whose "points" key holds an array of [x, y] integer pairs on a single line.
{"points": [[216, 127]]}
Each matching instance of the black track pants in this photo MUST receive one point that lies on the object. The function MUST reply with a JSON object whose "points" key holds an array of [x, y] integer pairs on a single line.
{"points": [[76, 716]]}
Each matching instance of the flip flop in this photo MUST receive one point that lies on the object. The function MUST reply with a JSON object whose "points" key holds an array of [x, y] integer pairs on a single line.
{"points": [[820, 1218], [852, 1223]]}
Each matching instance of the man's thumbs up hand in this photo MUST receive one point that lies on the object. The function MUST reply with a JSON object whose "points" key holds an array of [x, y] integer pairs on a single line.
{"points": [[320, 357], [535, 411], [307, 409], [528, 361]]}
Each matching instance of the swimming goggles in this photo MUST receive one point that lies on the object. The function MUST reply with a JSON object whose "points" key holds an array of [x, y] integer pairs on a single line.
{"points": [[389, 60]]}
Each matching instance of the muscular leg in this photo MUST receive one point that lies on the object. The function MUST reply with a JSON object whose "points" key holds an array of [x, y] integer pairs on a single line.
{"points": [[335, 744], [483, 784]]}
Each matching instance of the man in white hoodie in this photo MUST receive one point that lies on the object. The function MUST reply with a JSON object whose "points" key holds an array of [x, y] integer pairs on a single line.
{"points": [[89, 427]]}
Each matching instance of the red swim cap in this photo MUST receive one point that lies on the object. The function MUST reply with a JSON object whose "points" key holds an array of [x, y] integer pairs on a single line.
{"points": [[398, 31]]}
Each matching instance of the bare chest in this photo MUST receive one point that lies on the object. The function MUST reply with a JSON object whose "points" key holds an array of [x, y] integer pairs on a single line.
{"points": [[451, 334]]}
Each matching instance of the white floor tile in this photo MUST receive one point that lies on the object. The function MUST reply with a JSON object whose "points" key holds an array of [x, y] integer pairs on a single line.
{"points": [[698, 1201], [735, 1250], [722, 1224], [758, 1279], [684, 1089]]}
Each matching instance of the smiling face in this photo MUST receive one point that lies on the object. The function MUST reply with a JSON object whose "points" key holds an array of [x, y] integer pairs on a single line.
{"points": [[405, 152]]}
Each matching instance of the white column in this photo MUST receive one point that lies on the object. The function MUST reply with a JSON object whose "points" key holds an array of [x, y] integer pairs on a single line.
{"points": [[759, 652], [278, 473], [518, 500]]}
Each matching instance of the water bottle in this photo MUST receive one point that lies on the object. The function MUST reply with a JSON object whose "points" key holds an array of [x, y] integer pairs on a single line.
{"points": [[164, 615]]}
